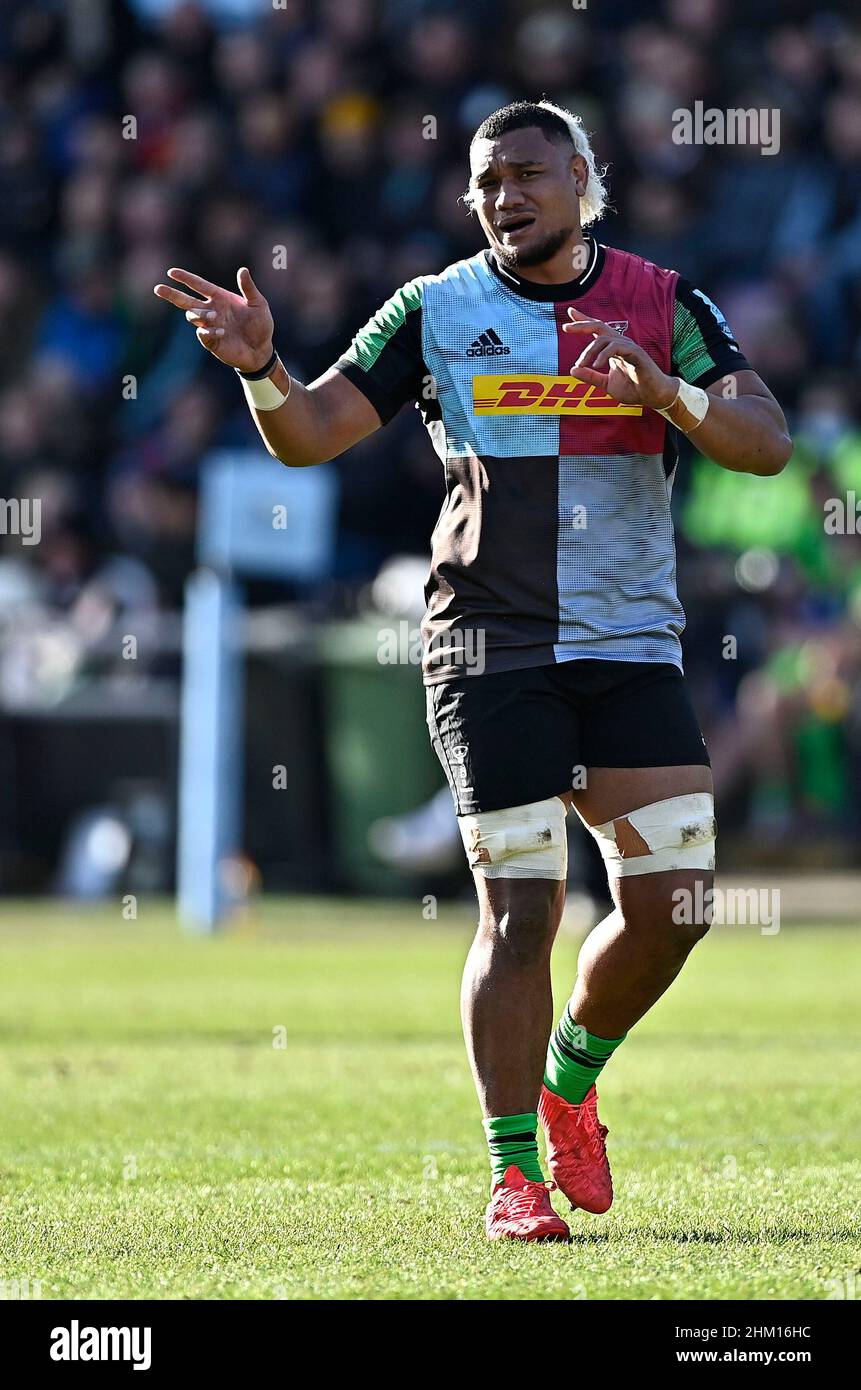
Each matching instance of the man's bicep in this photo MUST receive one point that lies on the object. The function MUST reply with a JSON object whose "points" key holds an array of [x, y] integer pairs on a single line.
{"points": [[345, 413], [747, 383], [743, 383]]}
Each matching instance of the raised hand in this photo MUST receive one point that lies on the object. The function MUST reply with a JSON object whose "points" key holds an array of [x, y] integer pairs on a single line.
{"points": [[618, 365], [235, 328]]}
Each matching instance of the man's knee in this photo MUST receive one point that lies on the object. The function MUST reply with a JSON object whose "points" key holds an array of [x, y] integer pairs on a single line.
{"points": [[677, 907], [520, 842], [659, 860], [522, 921]]}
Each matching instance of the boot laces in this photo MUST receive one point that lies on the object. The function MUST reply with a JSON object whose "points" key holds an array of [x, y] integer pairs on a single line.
{"points": [[595, 1132], [528, 1200]]}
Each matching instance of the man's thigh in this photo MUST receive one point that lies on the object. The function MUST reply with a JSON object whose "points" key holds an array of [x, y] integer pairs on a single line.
{"points": [[640, 720], [614, 791], [504, 739], [641, 743]]}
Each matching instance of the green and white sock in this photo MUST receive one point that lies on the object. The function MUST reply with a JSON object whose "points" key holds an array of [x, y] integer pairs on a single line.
{"points": [[575, 1059], [512, 1139]]}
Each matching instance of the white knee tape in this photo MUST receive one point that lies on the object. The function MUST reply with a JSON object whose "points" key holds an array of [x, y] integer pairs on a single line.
{"points": [[678, 833], [520, 842]]}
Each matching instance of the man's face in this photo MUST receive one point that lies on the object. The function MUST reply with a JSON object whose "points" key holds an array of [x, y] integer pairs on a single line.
{"points": [[526, 193]]}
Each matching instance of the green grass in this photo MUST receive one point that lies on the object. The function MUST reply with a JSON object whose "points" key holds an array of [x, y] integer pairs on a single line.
{"points": [[154, 1143]]}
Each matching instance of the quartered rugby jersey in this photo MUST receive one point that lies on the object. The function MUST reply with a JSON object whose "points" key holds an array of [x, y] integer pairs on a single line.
{"points": [[555, 540]]}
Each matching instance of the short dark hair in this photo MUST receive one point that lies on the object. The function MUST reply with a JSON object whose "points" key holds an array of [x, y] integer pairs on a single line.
{"points": [[518, 115]]}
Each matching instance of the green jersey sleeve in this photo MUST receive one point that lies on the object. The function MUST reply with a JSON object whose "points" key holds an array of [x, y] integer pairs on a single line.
{"points": [[385, 358], [704, 348]]}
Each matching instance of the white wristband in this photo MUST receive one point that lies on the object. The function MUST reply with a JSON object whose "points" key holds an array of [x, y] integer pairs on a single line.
{"points": [[688, 408], [264, 393]]}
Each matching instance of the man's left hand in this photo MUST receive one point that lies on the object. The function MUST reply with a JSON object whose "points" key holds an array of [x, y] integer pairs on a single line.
{"points": [[618, 366]]}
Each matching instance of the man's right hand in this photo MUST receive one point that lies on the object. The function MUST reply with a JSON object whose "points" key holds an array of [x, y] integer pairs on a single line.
{"points": [[235, 328], [319, 421]]}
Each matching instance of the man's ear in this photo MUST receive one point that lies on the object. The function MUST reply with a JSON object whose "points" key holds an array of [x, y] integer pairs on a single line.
{"points": [[580, 170]]}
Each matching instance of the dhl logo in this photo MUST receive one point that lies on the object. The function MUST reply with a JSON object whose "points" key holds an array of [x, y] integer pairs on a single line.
{"points": [[531, 394]]}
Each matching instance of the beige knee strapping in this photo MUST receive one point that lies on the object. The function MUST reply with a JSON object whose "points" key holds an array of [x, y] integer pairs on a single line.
{"points": [[519, 842], [678, 833]]}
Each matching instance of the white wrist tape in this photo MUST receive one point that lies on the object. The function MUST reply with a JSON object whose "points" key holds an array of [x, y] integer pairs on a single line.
{"points": [[688, 409], [264, 393]]}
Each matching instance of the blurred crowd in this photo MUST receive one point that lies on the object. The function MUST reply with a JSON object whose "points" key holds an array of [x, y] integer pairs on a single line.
{"points": [[291, 135]]}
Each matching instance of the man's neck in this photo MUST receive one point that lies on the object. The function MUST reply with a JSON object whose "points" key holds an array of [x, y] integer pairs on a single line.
{"points": [[567, 264]]}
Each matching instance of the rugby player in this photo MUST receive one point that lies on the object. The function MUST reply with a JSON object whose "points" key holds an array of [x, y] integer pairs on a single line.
{"points": [[553, 374]]}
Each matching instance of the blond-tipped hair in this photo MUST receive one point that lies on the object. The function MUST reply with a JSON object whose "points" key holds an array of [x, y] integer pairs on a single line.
{"points": [[520, 114]]}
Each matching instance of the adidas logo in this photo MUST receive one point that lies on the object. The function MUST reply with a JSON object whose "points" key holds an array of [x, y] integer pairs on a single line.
{"points": [[488, 344]]}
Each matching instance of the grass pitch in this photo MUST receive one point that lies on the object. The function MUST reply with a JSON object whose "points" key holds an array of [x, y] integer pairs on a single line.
{"points": [[286, 1112]]}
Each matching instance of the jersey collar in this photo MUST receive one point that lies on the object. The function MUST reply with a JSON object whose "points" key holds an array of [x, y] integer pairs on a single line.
{"points": [[571, 289]]}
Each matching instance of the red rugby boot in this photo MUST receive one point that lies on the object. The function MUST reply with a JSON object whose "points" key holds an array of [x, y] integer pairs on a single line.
{"points": [[520, 1210], [576, 1154]]}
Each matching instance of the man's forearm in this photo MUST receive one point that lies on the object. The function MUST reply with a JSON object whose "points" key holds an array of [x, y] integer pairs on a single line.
{"points": [[747, 434], [286, 415], [292, 432], [302, 425]]}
